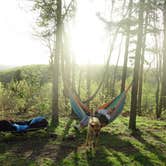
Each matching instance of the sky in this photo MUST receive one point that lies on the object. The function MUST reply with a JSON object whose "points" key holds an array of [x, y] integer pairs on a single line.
{"points": [[89, 40], [18, 44]]}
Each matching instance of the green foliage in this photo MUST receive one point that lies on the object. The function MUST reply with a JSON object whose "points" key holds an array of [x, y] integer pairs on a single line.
{"points": [[33, 74], [27, 91], [29, 95]]}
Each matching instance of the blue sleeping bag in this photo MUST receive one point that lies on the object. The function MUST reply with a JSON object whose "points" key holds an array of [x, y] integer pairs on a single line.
{"points": [[20, 128], [36, 120], [35, 123]]}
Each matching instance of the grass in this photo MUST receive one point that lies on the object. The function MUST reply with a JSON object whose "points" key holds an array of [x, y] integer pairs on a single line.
{"points": [[117, 146]]}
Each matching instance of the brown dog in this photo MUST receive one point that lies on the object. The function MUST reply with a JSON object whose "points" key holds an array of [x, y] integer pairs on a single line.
{"points": [[94, 127]]}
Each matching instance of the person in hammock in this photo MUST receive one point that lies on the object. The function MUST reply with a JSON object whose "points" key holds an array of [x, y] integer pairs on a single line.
{"points": [[103, 115]]}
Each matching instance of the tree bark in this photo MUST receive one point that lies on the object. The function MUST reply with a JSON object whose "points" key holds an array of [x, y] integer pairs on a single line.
{"points": [[142, 67], [158, 87], [133, 108], [57, 54], [124, 71], [88, 82], [163, 83], [116, 69]]}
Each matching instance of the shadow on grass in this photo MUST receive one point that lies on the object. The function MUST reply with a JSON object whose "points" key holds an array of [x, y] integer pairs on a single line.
{"points": [[35, 146], [157, 137], [27, 146], [68, 144], [111, 150], [115, 151], [151, 147]]}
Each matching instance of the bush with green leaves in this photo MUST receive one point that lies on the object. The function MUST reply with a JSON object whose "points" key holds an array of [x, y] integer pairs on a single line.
{"points": [[20, 97]]}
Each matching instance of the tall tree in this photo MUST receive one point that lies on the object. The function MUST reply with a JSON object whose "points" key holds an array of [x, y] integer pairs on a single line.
{"points": [[116, 69], [118, 55], [163, 84], [107, 83], [158, 78], [133, 108], [124, 71], [55, 65], [88, 81], [140, 84], [50, 20]]}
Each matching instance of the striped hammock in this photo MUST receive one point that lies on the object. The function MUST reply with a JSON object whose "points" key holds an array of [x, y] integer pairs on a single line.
{"points": [[114, 107]]}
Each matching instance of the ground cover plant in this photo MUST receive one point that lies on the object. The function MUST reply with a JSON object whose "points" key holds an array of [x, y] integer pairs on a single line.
{"points": [[66, 147]]}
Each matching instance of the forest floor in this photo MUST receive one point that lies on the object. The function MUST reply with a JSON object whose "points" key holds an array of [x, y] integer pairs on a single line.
{"points": [[66, 147]]}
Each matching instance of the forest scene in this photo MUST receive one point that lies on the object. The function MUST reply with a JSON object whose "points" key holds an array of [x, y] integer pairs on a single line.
{"points": [[99, 96]]}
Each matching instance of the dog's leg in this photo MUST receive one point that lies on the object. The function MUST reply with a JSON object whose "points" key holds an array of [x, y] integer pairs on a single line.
{"points": [[88, 137], [89, 140], [95, 142], [96, 137]]}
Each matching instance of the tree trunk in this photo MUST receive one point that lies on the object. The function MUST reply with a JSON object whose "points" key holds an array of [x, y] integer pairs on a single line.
{"points": [[157, 93], [133, 108], [88, 82], [108, 78], [57, 54], [158, 76], [163, 84], [140, 83], [124, 71], [73, 72], [142, 67], [79, 82], [66, 67], [116, 69]]}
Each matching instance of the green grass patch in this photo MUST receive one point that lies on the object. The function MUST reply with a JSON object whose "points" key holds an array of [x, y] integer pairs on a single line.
{"points": [[64, 146]]}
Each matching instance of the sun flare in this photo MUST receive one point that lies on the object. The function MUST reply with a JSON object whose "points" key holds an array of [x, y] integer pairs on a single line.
{"points": [[87, 36]]}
